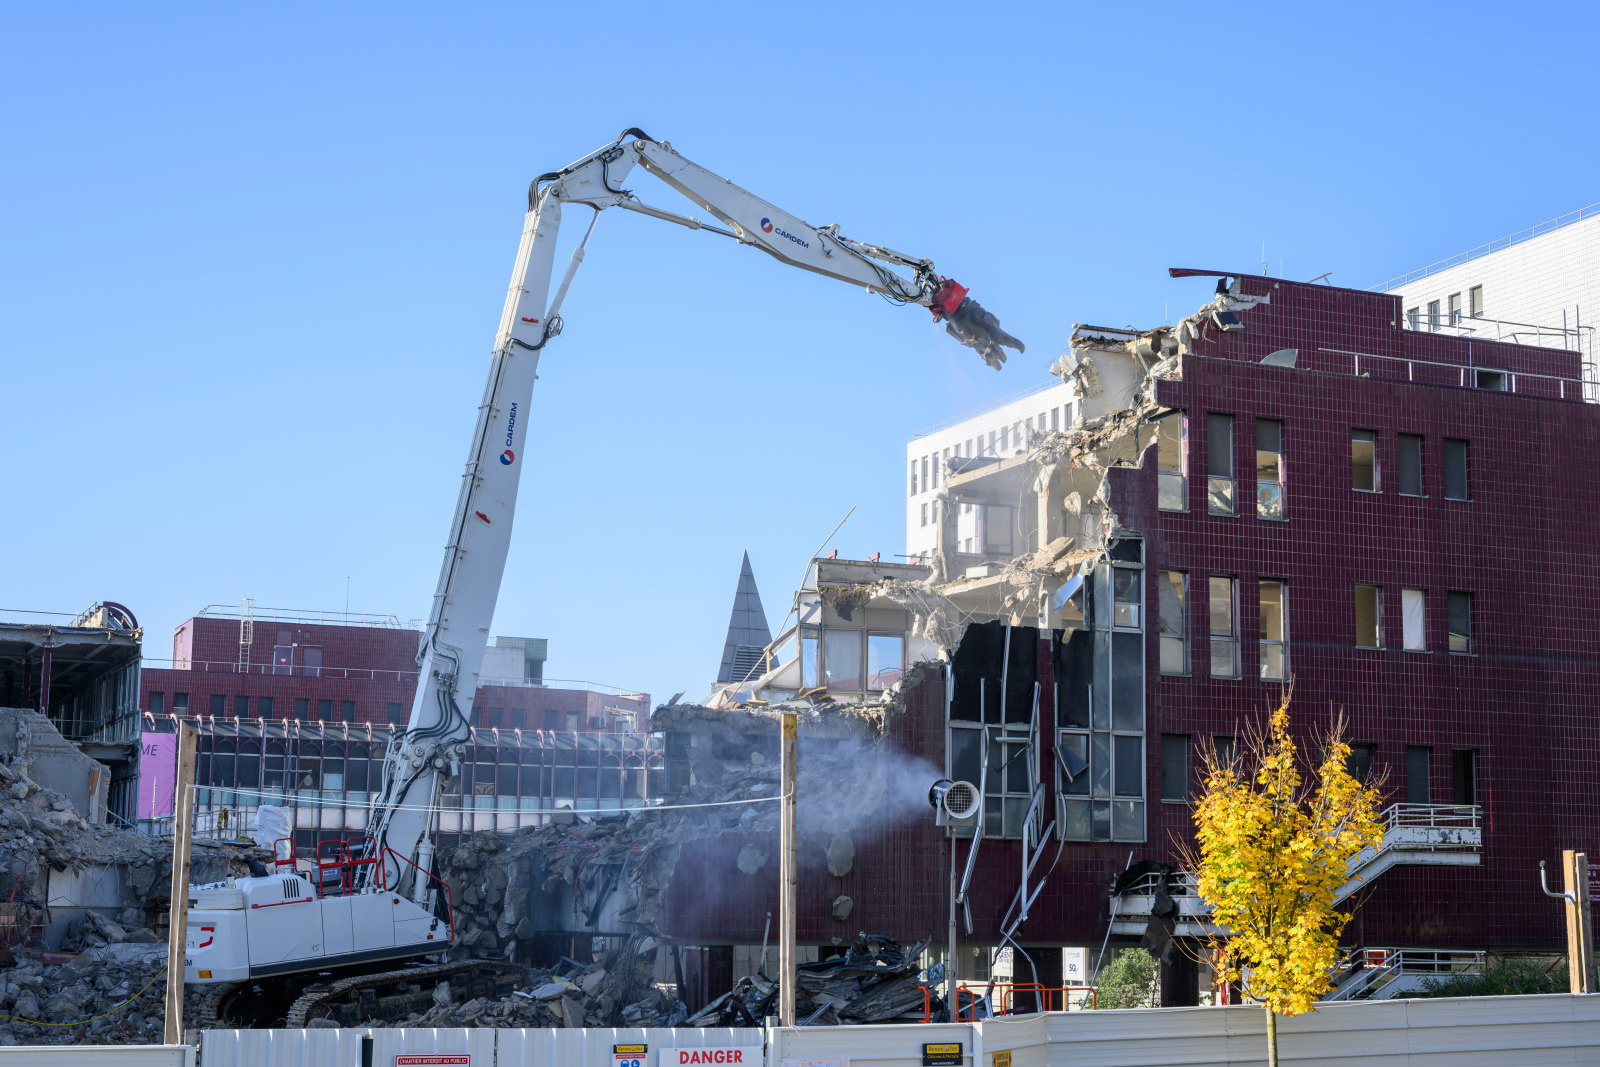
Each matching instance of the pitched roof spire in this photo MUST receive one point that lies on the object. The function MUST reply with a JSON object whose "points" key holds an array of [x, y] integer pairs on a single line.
{"points": [[748, 633]]}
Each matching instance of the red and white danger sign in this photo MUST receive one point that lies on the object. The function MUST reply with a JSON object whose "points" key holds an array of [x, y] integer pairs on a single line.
{"points": [[433, 1059], [717, 1057]]}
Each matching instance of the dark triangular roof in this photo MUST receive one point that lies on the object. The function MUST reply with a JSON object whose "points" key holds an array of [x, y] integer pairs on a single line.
{"points": [[747, 626]]}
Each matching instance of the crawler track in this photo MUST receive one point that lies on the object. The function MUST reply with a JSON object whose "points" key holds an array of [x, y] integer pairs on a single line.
{"points": [[363, 996]]}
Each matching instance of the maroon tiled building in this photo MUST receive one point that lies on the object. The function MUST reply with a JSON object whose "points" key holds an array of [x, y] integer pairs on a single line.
{"points": [[1399, 522]]}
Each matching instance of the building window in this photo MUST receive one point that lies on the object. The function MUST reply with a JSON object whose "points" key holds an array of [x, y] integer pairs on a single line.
{"points": [[1455, 469], [1455, 308], [311, 662], [1433, 314], [264, 707], [924, 514], [924, 474], [1475, 301], [1464, 776], [913, 478], [1364, 460], [154, 705], [1359, 763], [1367, 622], [886, 658], [1127, 596], [180, 703], [1055, 419], [841, 659], [1274, 662], [1226, 747], [936, 470], [1414, 619], [394, 713], [1174, 631], [324, 711], [1005, 748], [810, 657], [1269, 469], [219, 705], [282, 659], [1410, 463], [1219, 464], [241, 707], [1175, 767], [1418, 771], [302, 709], [1460, 622], [1414, 318], [1172, 470], [347, 711], [997, 530], [1224, 633]]}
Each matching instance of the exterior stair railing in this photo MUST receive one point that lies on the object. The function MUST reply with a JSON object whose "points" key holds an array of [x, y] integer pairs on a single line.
{"points": [[1444, 835]]}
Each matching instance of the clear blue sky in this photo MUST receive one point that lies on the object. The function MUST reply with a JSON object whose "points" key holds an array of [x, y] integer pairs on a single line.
{"points": [[254, 258]]}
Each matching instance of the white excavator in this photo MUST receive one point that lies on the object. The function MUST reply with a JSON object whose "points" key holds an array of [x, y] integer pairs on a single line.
{"points": [[280, 944]]}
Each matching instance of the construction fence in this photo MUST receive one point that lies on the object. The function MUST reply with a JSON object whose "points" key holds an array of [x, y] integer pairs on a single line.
{"points": [[1528, 1031]]}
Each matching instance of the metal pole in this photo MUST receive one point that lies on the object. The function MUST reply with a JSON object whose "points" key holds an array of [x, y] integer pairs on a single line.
{"points": [[44, 683], [178, 915], [787, 876], [950, 960]]}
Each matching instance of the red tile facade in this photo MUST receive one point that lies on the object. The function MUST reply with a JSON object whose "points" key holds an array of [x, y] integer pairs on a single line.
{"points": [[1524, 701]]}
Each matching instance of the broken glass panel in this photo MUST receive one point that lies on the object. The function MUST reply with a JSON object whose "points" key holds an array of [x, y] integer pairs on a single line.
{"points": [[1127, 820], [1100, 764], [1078, 745], [1102, 820], [1076, 820]]}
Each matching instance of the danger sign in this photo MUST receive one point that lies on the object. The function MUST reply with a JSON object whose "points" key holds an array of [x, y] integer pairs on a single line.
{"points": [[433, 1059], [737, 1057]]}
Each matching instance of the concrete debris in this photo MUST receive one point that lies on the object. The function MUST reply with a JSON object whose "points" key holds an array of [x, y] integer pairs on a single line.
{"points": [[842, 907], [875, 981], [751, 859], [122, 982], [841, 855]]}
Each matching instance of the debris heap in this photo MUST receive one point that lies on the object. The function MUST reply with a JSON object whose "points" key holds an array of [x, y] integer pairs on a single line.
{"points": [[109, 995]]}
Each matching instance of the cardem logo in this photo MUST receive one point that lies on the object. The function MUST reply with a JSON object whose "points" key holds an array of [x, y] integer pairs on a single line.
{"points": [[766, 225], [507, 456]]}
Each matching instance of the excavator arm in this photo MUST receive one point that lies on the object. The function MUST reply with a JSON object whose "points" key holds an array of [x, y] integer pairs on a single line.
{"points": [[431, 747]]}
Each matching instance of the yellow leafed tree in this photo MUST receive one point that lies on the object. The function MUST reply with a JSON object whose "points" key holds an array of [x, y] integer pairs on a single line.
{"points": [[1273, 847]]}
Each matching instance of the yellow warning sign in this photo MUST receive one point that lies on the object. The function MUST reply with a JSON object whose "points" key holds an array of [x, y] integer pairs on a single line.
{"points": [[1002, 1058]]}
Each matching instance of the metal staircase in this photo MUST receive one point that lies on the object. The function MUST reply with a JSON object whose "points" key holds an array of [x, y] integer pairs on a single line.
{"points": [[1414, 835], [1385, 973]]}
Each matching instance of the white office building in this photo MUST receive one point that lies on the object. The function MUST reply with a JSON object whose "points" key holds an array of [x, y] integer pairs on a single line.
{"points": [[1003, 429], [1540, 286]]}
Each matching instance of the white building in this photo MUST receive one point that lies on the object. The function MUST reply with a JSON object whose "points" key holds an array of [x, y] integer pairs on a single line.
{"points": [[1537, 287], [1001, 430]]}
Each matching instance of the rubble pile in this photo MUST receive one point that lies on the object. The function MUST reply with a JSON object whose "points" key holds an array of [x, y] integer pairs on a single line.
{"points": [[875, 981], [112, 994]]}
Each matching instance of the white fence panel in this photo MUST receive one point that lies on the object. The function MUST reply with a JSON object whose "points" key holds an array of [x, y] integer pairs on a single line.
{"points": [[591, 1046], [1463, 1032], [1026, 1037], [898, 1045], [339, 1048], [97, 1056]]}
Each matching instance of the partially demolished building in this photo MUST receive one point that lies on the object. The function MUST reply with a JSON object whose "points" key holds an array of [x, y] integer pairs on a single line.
{"points": [[1286, 486]]}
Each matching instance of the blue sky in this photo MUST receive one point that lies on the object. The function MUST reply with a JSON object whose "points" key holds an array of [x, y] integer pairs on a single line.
{"points": [[254, 259]]}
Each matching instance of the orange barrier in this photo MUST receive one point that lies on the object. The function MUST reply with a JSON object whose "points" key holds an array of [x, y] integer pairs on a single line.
{"points": [[1003, 998]]}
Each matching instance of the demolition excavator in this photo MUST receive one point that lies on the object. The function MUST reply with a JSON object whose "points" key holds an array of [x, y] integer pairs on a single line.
{"points": [[282, 944]]}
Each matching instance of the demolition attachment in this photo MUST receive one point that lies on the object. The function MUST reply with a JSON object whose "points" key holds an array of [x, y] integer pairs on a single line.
{"points": [[966, 320]]}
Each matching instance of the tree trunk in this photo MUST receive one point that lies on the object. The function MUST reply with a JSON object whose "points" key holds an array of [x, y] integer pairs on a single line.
{"points": [[1272, 1039]]}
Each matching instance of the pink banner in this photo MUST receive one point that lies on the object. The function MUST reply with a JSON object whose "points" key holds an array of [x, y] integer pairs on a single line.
{"points": [[158, 774]]}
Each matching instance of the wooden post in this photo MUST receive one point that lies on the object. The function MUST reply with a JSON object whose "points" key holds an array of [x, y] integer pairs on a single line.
{"points": [[1580, 925], [787, 876], [178, 915]]}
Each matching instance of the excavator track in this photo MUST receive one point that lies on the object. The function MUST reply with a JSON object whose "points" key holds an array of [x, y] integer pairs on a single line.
{"points": [[211, 1006], [312, 1000]]}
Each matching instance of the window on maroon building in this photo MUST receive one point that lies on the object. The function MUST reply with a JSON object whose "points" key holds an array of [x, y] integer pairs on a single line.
{"points": [[394, 713], [264, 707], [1175, 767], [1418, 774], [311, 662], [1219, 464], [552, 720], [180, 703], [325, 711], [282, 659], [302, 708], [154, 704], [1364, 461], [497, 717], [1464, 776], [1359, 763], [241, 707], [347, 711]]}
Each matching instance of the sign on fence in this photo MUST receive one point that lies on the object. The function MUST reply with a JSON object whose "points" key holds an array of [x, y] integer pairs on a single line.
{"points": [[941, 1054], [742, 1056], [629, 1055]]}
